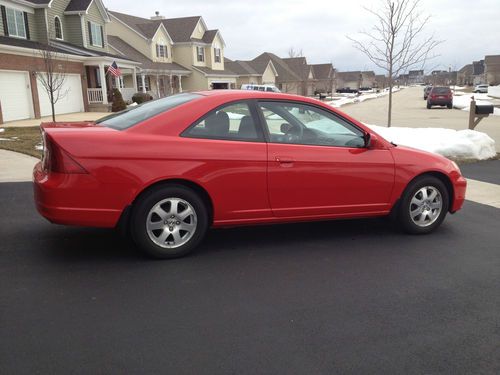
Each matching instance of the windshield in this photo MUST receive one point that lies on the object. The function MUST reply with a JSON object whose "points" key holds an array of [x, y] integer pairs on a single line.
{"points": [[440, 90], [134, 115]]}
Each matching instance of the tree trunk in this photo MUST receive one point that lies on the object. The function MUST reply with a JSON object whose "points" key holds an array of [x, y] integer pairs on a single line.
{"points": [[389, 112], [52, 106]]}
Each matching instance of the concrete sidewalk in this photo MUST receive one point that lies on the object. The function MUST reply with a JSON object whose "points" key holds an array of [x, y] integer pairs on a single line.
{"points": [[70, 117], [16, 167]]}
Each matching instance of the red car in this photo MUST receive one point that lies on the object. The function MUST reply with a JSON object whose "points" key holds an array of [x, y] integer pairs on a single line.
{"points": [[170, 169]]}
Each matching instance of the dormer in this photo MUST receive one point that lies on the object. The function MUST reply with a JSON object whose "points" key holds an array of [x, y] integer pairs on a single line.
{"points": [[161, 45]]}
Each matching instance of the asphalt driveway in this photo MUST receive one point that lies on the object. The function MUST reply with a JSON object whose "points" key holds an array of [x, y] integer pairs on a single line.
{"points": [[350, 297]]}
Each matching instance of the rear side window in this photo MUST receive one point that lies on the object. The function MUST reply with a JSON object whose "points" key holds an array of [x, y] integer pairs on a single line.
{"points": [[231, 122], [134, 115], [441, 90]]}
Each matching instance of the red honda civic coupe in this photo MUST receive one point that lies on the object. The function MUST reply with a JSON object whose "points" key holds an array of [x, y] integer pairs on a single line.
{"points": [[170, 169]]}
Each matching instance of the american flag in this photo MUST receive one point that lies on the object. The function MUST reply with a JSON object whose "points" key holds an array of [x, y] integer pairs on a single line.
{"points": [[114, 70]]}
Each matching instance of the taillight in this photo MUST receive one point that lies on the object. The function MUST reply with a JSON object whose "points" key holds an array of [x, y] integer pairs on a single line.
{"points": [[55, 159]]}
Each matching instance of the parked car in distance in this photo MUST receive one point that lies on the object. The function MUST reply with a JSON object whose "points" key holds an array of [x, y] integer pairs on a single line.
{"points": [[481, 88], [440, 95], [347, 90], [168, 170], [427, 89], [266, 88]]}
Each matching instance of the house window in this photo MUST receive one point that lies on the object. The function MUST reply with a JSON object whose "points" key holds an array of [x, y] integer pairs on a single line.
{"points": [[217, 55], [147, 83], [96, 34], [15, 23], [200, 52], [58, 28], [161, 51]]}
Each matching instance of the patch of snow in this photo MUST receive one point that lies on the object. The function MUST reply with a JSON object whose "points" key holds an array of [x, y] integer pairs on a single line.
{"points": [[462, 101], [2, 130], [6, 139], [39, 147], [343, 99], [455, 144], [494, 91]]}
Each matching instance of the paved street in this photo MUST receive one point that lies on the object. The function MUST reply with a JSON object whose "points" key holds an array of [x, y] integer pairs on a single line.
{"points": [[409, 110], [350, 297]]}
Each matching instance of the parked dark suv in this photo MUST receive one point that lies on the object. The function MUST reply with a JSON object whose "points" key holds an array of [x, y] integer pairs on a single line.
{"points": [[440, 96]]}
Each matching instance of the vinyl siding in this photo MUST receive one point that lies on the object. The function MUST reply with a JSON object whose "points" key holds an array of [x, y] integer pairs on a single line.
{"points": [[95, 16], [73, 30], [39, 24], [57, 9], [118, 29], [1, 26], [32, 24]]}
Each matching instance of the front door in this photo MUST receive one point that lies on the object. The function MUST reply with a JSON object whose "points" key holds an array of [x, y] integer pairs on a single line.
{"points": [[318, 164]]}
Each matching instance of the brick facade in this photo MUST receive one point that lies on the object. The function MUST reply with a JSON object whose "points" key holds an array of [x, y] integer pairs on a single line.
{"points": [[34, 65]]}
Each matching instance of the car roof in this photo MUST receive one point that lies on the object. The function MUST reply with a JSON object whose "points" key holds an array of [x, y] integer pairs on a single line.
{"points": [[251, 94]]}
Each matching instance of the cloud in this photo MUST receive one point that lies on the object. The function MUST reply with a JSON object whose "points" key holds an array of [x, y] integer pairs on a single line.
{"points": [[469, 29]]}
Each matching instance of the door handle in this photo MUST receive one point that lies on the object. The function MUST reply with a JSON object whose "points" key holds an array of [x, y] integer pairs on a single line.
{"points": [[284, 160]]}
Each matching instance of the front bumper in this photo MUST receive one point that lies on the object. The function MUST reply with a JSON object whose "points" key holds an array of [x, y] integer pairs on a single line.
{"points": [[459, 189]]}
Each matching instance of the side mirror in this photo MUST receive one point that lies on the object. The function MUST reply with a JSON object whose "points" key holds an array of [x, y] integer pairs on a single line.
{"points": [[371, 140]]}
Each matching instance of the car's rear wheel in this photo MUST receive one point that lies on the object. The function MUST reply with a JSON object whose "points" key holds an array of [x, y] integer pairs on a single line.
{"points": [[450, 105], [428, 105], [423, 206], [169, 222]]}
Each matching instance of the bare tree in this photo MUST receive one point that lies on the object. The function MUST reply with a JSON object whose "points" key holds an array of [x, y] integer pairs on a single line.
{"points": [[295, 53], [397, 41], [53, 76]]}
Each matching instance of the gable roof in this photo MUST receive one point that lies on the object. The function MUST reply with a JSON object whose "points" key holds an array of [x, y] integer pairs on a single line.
{"points": [[492, 59], [130, 52], [351, 76], [323, 71], [39, 2], [241, 68], [181, 29], [285, 74], [467, 69], [299, 66], [78, 5]]}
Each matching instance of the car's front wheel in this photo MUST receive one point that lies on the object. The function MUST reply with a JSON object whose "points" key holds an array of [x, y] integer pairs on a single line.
{"points": [[423, 205], [169, 222]]}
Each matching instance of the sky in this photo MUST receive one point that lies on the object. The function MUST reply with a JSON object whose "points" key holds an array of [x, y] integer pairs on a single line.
{"points": [[469, 29]]}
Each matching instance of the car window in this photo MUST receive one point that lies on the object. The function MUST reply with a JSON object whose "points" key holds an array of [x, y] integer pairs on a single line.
{"points": [[305, 124], [134, 115], [440, 90], [231, 122]]}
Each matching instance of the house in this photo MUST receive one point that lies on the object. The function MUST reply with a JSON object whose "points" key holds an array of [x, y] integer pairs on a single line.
{"points": [[442, 78], [492, 69], [352, 80], [76, 32], [415, 77], [381, 81], [367, 79], [253, 72], [324, 76], [286, 80], [305, 72], [177, 53], [478, 70], [464, 75]]}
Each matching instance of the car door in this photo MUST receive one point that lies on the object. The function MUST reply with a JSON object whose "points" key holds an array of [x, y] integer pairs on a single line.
{"points": [[318, 164], [233, 162]]}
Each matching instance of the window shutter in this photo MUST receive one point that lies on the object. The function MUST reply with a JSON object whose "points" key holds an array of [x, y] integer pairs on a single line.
{"points": [[102, 36], [157, 50], [26, 25], [90, 32], [4, 20]]}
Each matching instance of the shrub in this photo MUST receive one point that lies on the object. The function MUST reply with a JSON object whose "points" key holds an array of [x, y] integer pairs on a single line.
{"points": [[141, 97], [118, 104]]}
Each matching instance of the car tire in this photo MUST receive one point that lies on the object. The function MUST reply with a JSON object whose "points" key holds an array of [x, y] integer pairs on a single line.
{"points": [[450, 106], [429, 106], [423, 206], [169, 222]]}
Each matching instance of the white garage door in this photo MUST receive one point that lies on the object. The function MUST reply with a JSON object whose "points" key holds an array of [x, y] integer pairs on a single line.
{"points": [[15, 96], [71, 99]]}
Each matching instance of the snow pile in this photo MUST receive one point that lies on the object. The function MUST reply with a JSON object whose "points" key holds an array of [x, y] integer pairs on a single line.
{"points": [[461, 100], [461, 144], [343, 99], [494, 91], [2, 130]]}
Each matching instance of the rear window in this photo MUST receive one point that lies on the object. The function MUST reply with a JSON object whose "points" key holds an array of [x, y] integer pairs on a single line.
{"points": [[441, 90], [134, 115]]}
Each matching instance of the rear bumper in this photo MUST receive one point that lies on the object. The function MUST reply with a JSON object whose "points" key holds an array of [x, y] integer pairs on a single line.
{"points": [[440, 102], [459, 188], [68, 199]]}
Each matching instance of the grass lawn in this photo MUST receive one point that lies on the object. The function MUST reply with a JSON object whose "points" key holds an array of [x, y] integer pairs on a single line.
{"points": [[22, 140]]}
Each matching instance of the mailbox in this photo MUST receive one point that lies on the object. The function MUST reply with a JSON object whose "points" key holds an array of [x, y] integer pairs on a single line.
{"points": [[484, 109]]}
